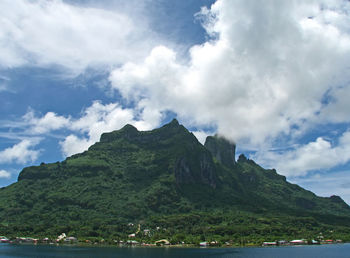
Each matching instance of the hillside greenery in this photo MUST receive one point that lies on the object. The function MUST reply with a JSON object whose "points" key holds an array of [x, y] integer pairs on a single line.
{"points": [[168, 183]]}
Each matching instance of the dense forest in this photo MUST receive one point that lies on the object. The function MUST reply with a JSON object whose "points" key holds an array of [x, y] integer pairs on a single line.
{"points": [[164, 184]]}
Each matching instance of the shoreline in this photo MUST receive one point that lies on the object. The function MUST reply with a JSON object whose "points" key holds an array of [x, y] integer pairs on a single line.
{"points": [[163, 246]]}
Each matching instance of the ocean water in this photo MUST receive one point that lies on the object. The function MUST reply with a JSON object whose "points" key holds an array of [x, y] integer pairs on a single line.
{"points": [[41, 251]]}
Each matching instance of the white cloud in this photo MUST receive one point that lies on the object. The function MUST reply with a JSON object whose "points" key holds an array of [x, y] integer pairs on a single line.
{"points": [[317, 155], [201, 136], [95, 120], [4, 174], [49, 122], [21, 152], [73, 144], [324, 184], [45, 33], [86, 129], [268, 69], [99, 118], [264, 74]]}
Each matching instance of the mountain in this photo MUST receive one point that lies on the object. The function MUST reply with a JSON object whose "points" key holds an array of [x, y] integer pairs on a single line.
{"points": [[165, 179]]}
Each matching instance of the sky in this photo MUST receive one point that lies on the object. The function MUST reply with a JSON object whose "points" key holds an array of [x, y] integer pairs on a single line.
{"points": [[272, 76]]}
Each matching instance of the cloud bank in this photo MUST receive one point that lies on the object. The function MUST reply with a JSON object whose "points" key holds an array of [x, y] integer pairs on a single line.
{"points": [[44, 33], [268, 71], [87, 129], [268, 74], [4, 174], [317, 155], [328, 184], [21, 152]]}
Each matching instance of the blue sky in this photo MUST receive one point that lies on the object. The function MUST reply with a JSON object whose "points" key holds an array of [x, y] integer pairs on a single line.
{"points": [[272, 77]]}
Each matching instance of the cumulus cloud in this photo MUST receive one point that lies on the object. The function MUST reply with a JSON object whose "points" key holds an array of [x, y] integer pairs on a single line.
{"points": [[267, 68], [99, 118], [4, 174], [267, 71], [45, 33], [21, 152], [49, 122], [73, 145], [201, 136], [313, 156], [93, 121], [327, 184]]}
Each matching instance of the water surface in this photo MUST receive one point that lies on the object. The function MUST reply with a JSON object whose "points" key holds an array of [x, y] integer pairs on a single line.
{"points": [[41, 251]]}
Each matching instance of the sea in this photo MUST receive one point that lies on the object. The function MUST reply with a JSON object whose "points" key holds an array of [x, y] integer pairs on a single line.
{"points": [[38, 251]]}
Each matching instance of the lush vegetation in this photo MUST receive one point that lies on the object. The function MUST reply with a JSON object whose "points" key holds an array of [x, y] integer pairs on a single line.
{"points": [[171, 185]]}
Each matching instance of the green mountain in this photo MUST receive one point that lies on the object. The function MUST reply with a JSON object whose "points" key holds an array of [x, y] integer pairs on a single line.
{"points": [[170, 183]]}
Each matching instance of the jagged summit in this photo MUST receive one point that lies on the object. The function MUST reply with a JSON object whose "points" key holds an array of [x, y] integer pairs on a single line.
{"points": [[130, 132], [242, 158], [174, 122], [128, 128], [172, 127], [127, 131]]}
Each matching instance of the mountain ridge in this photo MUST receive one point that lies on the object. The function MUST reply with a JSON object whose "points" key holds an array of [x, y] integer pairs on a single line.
{"points": [[132, 175]]}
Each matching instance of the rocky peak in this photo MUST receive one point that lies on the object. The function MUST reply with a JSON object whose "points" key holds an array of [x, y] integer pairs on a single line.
{"points": [[129, 128], [128, 131], [242, 158], [172, 126], [174, 122], [221, 149], [337, 199]]}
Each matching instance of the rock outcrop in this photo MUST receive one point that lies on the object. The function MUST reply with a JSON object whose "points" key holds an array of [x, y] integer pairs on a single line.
{"points": [[201, 171], [222, 150]]}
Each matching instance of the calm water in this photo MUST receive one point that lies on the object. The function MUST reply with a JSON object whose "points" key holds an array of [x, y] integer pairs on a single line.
{"points": [[332, 251]]}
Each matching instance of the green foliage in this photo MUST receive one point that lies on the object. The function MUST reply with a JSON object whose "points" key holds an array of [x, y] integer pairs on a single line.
{"points": [[169, 183]]}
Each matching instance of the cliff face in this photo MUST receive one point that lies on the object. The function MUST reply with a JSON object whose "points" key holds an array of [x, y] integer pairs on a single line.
{"points": [[221, 149], [190, 161], [171, 148], [202, 171]]}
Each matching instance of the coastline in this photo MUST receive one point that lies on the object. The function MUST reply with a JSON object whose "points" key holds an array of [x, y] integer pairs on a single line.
{"points": [[106, 245]]}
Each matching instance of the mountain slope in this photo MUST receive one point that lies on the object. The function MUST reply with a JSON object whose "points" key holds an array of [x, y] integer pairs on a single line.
{"points": [[155, 177]]}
